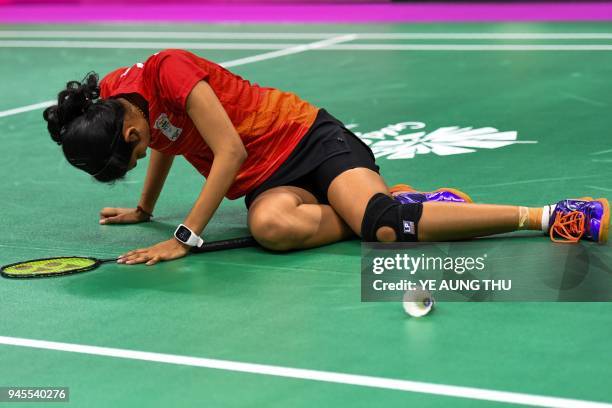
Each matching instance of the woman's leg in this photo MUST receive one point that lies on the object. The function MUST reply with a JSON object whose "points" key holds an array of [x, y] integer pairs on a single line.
{"points": [[289, 217], [350, 192], [449, 221]]}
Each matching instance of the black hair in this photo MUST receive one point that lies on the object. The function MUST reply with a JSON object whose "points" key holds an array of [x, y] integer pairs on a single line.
{"points": [[90, 130]]}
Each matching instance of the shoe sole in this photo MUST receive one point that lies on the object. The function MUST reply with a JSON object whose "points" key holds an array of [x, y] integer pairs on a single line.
{"points": [[605, 221], [604, 226], [405, 187], [401, 187]]}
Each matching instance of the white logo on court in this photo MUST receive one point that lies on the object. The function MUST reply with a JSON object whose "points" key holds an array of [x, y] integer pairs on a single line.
{"points": [[406, 139]]}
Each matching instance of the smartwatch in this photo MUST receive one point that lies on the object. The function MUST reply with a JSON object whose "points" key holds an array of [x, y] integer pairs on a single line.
{"points": [[186, 236]]}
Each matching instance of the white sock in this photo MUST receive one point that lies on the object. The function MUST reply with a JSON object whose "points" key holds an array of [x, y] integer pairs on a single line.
{"points": [[547, 212]]}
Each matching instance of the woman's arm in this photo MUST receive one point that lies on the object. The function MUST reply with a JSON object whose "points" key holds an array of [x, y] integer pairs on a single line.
{"points": [[212, 122], [217, 130], [157, 172]]}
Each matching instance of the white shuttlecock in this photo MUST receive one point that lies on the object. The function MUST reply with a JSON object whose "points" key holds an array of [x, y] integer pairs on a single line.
{"points": [[418, 303]]}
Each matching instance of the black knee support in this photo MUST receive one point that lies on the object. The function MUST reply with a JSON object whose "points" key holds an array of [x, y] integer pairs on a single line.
{"points": [[384, 211]]}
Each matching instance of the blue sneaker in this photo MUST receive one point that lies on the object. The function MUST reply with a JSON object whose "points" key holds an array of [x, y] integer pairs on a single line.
{"points": [[406, 195], [573, 219]]}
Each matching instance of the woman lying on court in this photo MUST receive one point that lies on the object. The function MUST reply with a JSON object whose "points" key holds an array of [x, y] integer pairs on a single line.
{"points": [[306, 179]]}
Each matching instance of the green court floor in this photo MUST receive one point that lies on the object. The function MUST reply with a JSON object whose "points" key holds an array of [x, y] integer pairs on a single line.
{"points": [[302, 309]]}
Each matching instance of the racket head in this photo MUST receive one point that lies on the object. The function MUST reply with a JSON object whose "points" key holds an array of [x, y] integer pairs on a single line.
{"points": [[50, 267]]}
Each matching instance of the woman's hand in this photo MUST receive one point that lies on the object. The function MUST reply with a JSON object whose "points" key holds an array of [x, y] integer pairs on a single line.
{"points": [[164, 251], [111, 215]]}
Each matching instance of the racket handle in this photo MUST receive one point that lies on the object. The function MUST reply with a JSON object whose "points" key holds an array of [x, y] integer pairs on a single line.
{"points": [[233, 243]]}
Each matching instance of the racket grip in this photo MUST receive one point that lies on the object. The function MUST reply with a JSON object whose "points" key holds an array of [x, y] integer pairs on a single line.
{"points": [[233, 243]]}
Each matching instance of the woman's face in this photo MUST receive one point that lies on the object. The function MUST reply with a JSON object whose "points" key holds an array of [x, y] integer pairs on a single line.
{"points": [[136, 132], [139, 152]]}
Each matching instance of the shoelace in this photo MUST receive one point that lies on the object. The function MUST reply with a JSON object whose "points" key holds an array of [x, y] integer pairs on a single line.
{"points": [[570, 227]]}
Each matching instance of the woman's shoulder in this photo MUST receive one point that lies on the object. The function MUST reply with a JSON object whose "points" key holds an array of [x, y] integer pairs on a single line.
{"points": [[110, 82], [172, 55]]}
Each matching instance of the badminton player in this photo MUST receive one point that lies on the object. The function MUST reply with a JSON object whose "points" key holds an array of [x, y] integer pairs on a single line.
{"points": [[306, 180]]}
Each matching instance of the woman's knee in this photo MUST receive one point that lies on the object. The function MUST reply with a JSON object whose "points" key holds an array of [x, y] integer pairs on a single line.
{"points": [[272, 218], [272, 232]]}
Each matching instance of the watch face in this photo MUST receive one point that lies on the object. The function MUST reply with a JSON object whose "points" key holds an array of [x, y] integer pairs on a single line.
{"points": [[183, 234]]}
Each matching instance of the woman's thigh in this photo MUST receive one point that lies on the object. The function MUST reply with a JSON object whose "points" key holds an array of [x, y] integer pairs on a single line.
{"points": [[282, 196], [350, 192]]}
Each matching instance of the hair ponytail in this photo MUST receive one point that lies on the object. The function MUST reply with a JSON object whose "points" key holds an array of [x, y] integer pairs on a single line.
{"points": [[90, 130]]}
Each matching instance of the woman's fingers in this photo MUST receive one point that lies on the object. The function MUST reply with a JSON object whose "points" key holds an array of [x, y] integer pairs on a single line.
{"points": [[134, 252], [109, 212], [146, 256], [164, 251], [131, 255], [153, 260], [111, 220], [110, 215], [137, 258]]}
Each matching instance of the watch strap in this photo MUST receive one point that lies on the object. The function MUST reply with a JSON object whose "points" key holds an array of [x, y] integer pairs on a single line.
{"points": [[192, 240]]}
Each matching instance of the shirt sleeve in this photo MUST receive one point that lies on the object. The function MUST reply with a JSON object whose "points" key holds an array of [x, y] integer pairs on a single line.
{"points": [[177, 74]]}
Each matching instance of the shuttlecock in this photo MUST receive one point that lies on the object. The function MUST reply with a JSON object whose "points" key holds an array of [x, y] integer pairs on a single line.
{"points": [[418, 303]]}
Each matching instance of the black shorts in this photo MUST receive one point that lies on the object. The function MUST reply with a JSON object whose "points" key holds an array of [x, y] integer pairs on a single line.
{"points": [[327, 150]]}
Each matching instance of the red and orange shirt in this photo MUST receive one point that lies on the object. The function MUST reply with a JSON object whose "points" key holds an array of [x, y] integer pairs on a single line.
{"points": [[270, 122]]}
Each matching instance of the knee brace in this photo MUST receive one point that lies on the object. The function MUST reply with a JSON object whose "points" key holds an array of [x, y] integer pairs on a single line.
{"points": [[384, 211]]}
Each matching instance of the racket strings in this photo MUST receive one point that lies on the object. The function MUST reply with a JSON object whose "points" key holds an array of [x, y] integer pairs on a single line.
{"points": [[50, 266]]}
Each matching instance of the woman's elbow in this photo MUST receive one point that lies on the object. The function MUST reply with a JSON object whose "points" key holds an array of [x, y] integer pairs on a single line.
{"points": [[241, 154], [236, 153]]}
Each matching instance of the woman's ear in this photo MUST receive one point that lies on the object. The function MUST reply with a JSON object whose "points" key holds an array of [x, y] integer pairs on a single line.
{"points": [[131, 134]]}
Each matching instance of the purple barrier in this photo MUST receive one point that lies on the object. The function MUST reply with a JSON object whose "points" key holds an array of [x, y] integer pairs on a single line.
{"points": [[184, 2], [306, 13]]}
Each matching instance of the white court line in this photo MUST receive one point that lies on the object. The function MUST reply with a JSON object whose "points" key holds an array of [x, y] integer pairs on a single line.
{"points": [[601, 152], [470, 47], [144, 45], [233, 63], [601, 188], [486, 36], [26, 108], [313, 375], [198, 35], [335, 46], [286, 48], [291, 50]]}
